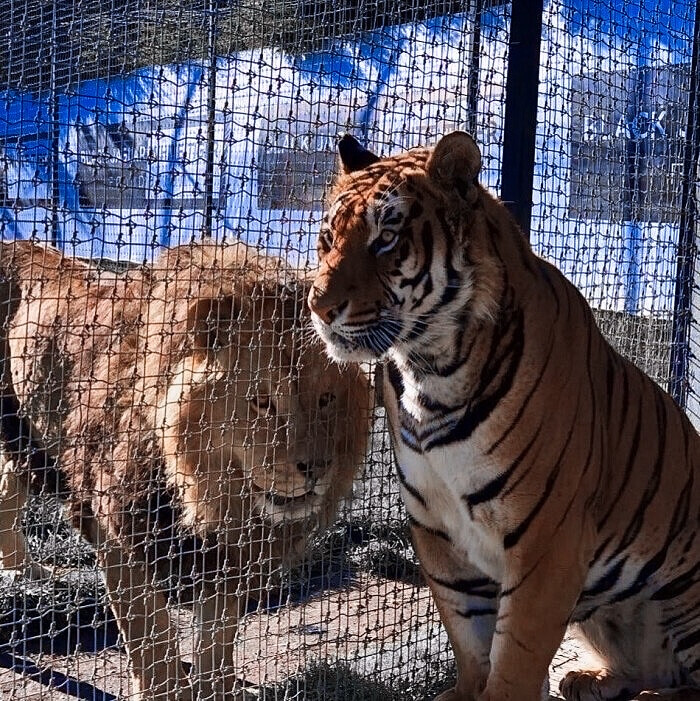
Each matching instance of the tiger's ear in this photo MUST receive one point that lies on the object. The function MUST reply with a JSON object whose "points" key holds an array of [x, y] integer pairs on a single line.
{"points": [[455, 160], [354, 156], [208, 319]]}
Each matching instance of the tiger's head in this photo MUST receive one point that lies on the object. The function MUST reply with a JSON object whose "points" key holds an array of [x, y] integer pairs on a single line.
{"points": [[395, 250]]}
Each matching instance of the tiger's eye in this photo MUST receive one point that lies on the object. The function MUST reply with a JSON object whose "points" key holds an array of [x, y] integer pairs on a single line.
{"points": [[385, 242]]}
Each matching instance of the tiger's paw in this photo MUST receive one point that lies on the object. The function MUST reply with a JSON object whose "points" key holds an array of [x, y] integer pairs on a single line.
{"points": [[582, 686], [594, 686], [685, 694]]}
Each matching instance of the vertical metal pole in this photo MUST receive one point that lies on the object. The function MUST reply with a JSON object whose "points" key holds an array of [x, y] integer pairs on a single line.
{"points": [[211, 127], [55, 129], [520, 123], [473, 79], [687, 249]]}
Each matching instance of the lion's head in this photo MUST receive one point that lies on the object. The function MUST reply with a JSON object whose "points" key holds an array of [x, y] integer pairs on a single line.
{"points": [[252, 417]]}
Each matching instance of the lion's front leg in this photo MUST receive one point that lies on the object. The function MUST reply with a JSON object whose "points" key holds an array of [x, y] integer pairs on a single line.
{"points": [[13, 495], [217, 612], [142, 616], [14, 488]]}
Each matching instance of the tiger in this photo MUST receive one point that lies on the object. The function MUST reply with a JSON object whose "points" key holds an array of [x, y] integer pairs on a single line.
{"points": [[547, 480], [197, 428]]}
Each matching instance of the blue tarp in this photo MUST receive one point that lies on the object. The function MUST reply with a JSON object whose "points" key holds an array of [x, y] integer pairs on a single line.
{"points": [[130, 152], [119, 169]]}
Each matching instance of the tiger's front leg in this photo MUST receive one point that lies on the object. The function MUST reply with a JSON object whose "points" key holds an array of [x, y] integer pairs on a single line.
{"points": [[467, 602], [538, 594]]}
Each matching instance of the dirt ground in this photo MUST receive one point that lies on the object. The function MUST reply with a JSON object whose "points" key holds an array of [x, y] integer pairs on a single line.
{"points": [[381, 629], [371, 633]]}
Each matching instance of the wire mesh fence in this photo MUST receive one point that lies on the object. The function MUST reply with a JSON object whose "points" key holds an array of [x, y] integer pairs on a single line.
{"points": [[612, 134], [129, 130]]}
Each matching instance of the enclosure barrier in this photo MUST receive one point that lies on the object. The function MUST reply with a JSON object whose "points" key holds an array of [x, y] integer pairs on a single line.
{"points": [[133, 127]]}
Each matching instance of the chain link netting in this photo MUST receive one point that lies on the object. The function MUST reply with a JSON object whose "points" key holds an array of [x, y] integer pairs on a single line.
{"points": [[133, 127]]}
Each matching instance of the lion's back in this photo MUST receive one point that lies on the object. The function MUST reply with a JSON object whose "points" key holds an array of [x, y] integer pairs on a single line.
{"points": [[59, 314]]}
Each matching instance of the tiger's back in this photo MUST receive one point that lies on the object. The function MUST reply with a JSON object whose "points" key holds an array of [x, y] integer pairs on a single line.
{"points": [[548, 480]]}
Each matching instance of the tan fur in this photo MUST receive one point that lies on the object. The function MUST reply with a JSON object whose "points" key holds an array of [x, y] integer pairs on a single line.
{"points": [[548, 479], [189, 378]]}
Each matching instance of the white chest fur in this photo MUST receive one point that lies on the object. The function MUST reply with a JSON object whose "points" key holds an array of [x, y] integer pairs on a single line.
{"points": [[442, 459], [434, 485]]}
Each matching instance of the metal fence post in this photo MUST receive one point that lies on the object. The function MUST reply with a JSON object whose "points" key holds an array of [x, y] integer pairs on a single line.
{"points": [[520, 122], [208, 213], [687, 248], [55, 129], [473, 79]]}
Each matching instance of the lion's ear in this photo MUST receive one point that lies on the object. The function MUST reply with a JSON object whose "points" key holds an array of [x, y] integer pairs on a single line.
{"points": [[455, 161], [206, 320], [354, 156]]}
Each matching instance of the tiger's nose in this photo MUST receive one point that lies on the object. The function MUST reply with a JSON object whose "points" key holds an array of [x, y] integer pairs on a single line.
{"points": [[326, 310]]}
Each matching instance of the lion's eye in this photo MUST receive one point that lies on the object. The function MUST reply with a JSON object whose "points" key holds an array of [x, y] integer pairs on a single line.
{"points": [[386, 240], [325, 400], [263, 405]]}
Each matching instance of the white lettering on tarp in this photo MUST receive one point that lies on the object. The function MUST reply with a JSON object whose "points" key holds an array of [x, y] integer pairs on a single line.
{"points": [[643, 126], [627, 140], [307, 142]]}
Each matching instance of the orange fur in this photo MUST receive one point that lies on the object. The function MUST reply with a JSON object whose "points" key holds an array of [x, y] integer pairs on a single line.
{"points": [[548, 480], [190, 379]]}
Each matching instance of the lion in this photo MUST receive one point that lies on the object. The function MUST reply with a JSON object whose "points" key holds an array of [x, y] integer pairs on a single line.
{"points": [[182, 402]]}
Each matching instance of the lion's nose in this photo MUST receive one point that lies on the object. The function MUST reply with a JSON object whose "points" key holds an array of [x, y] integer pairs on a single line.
{"points": [[312, 469], [323, 308]]}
